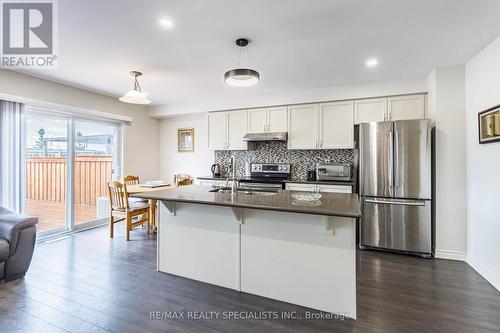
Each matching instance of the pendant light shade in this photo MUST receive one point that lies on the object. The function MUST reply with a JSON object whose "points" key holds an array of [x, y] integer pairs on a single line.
{"points": [[135, 96], [241, 77]]}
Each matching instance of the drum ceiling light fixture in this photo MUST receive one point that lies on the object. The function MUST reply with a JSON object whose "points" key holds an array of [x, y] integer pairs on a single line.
{"points": [[241, 77]]}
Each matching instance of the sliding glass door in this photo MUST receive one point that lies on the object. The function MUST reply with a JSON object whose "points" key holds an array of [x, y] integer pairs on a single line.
{"points": [[46, 161], [68, 163], [96, 162]]}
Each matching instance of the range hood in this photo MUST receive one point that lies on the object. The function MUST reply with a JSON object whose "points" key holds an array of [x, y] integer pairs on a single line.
{"points": [[276, 136]]}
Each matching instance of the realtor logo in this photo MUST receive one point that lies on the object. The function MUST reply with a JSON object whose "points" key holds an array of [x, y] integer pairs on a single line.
{"points": [[28, 33]]}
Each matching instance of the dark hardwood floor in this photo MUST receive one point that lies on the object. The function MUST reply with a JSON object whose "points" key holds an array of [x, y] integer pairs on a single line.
{"points": [[90, 283]]}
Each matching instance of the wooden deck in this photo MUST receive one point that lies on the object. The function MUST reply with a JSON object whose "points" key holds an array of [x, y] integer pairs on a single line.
{"points": [[52, 215]]}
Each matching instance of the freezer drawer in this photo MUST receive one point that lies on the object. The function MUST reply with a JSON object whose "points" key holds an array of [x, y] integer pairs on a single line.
{"points": [[397, 224]]}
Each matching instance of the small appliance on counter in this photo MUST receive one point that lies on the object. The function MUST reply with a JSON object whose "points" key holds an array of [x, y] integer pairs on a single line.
{"points": [[215, 170], [333, 171]]}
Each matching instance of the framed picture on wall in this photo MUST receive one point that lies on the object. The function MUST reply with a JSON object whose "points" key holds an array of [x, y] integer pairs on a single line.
{"points": [[185, 140], [489, 125]]}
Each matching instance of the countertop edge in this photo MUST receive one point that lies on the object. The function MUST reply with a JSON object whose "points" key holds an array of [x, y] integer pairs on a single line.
{"points": [[229, 204], [291, 181]]}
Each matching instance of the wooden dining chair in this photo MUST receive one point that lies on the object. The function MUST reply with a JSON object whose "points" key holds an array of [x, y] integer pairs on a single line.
{"points": [[182, 180], [131, 180], [122, 209]]}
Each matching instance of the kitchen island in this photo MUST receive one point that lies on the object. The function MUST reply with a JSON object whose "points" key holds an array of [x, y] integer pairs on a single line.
{"points": [[262, 243]]}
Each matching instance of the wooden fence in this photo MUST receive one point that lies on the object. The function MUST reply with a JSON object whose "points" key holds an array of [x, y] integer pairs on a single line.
{"points": [[46, 178]]}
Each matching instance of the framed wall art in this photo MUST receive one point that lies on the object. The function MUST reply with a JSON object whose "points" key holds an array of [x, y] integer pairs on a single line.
{"points": [[185, 140], [489, 125]]}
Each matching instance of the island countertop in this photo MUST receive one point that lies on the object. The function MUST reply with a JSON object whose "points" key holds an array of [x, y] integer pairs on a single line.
{"points": [[330, 204]]}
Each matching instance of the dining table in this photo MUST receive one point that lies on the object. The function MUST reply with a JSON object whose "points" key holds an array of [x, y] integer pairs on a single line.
{"points": [[142, 188]]}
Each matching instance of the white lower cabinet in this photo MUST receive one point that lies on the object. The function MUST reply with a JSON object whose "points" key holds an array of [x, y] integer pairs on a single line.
{"points": [[319, 188], [210, 182], [334, 188], [301, 187], [204, 182]]}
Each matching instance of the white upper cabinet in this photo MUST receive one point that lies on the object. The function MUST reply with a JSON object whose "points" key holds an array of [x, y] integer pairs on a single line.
{"points": [[257, 120], [336, 125], [277, 119], [264, 120], [237, 127], [311, 126], [217, 134], [321, 126], [226, 130], [406, 107], [370, 110], [303, 126], [389, 108]]}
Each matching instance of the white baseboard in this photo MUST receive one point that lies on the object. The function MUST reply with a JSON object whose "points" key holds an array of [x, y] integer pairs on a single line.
{"points": [[451, 255], [485, 273]]}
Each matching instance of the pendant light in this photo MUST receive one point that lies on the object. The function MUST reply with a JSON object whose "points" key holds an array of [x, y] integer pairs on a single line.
{"points": [[135, 96], [241, 77]]}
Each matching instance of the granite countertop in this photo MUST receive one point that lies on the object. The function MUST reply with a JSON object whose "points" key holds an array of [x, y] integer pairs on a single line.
{"points": [[324, 182], [330, 204]]}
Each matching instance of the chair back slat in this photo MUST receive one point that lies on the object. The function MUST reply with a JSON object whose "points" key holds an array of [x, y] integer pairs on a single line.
{"points": [[118, 197], [183, 179], [131, 180]]}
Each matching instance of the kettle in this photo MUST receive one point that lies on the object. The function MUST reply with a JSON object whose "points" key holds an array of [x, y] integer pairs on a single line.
{"points": [[215, 170]]}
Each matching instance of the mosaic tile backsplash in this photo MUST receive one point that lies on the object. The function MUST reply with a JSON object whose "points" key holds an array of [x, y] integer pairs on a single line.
{"points": [[276, 152]]}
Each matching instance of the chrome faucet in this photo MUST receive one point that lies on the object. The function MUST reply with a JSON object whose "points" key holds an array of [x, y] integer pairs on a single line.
{"points": [[234, 185]]}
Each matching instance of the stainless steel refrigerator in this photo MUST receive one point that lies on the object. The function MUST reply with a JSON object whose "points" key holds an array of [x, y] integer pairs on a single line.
{"points": [[395, 160]]}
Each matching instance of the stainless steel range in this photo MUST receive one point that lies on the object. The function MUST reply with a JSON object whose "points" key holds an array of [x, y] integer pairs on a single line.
{"points": [[266, 177]]}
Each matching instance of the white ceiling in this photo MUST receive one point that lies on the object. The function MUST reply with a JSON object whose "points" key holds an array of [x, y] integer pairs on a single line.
{"points": [[295, 44]]}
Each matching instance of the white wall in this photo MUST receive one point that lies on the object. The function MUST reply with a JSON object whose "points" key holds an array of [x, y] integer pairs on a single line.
{"points": [[340, 92], [446, 107], [172, 162], [482, 86], [141, 141]]}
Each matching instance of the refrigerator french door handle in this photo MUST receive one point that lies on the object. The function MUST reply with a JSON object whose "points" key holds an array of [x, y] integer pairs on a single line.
{"points": [[396, 158], [390, 159], [400, 203]]}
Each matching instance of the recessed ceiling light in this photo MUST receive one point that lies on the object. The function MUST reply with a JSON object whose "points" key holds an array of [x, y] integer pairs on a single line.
{"points": [[372, 62], [166, 23]]}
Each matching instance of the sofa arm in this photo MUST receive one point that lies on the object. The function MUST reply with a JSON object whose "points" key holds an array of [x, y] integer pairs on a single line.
{"points": [[12, 224]]}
